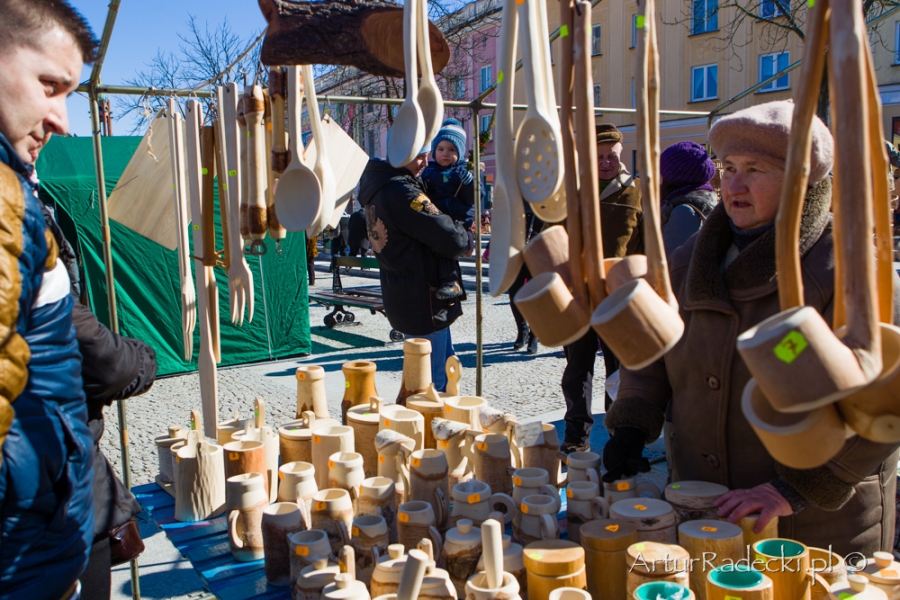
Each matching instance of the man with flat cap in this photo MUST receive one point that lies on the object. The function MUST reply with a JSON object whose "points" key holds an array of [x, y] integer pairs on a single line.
{"points": [[620, 218]]}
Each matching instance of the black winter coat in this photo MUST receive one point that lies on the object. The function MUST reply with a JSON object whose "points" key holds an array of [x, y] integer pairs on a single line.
{"points": [[410, 237]]}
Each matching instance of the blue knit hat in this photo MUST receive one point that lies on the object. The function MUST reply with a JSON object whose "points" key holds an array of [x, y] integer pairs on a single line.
{"points": [[451, 131]]}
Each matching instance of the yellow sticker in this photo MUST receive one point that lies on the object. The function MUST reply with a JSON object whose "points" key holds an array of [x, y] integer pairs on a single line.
{"points": [[280, 475], [791, 346], [234, 456], [524, 509], [321, 506], [569, 493], [623, 486], [347, 384], [301, 376], [499, 77], [485, 431], [317, 439], [517, 481], [416, 462], [443, 443], [889, 573], [707, 528], [535, 556], [354, 531], [639, 547], [482, 446], [204, 171], [640, 507], [301, 551], [564, 31], [381, 458], [330, 464], [387, 422], [613, 528], [177, 459], [473, 498], [739, 598], [640, 21], [403, 517], [268, 127]]}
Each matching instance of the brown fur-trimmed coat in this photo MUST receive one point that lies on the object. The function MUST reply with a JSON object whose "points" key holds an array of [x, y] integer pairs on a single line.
{"points": [[851, 499]]}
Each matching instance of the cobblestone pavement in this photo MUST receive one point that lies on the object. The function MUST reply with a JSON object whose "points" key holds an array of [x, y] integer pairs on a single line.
{"points": [[513, 381]]}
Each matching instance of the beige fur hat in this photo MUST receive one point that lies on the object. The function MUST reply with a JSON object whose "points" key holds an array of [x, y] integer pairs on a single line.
{"points": [[764, 130]]}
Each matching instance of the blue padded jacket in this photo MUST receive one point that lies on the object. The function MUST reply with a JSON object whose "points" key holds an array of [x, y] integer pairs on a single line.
{"points": [[46, 504]]}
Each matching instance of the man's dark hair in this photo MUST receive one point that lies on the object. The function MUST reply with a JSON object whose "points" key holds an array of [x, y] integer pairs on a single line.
{"points": [[22, 19]]}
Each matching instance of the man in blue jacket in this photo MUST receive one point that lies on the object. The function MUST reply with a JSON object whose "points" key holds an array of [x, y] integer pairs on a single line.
{"points": [[46, 506]]}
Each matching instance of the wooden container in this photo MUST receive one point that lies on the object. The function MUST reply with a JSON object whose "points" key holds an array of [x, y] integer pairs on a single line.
{"points": [[492, 460], [465, 409], [653, 562], [226, 429], [552, 564], [461, 552], [551, 311], [546, 455], [748, 525], [429, 408], [295, 437], [786, 563], [654, 519], [693, 500], [325, 442], [828, 565], [404, 421], [731, 581], [359, 384], [245, 457], [164, 444], [363, 419], [247, 498], [548, 252], [712, 543], [416, 368], [429, 481], [280, 520], [605, 543], [199, 480], [311, 391], [663, 590]]}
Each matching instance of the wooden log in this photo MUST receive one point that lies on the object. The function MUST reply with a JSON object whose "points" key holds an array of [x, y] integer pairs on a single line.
{"points": [[366, 35]]}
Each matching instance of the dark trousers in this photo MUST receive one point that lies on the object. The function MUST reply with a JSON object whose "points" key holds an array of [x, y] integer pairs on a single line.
{"points": [[523, 276], [96, 583], [578, 385]]}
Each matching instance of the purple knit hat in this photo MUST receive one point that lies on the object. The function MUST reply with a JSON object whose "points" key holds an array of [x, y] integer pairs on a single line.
{"points": [[686, 163]]}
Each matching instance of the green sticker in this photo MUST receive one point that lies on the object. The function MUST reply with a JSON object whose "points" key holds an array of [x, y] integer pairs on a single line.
{"points": [[811, 3], [845, 595], [563, 31], [204, 171], [675, 486], [196, 227], [256, 414], [499, 77], [224, 186], [641, 19], [193, 425], [791, 346], [248, 134], [232, 173]]}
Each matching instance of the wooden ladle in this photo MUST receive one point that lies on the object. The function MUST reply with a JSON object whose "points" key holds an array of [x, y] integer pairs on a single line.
{"points": [[796, 359], [407, 135], [298, 197], [640, 321]]}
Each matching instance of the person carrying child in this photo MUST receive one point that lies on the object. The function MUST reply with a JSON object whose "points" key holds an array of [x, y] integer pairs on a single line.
{"points": [[451, 188]]}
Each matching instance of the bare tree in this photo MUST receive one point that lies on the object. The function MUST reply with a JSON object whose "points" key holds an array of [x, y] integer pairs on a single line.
{"points": [[203, 55], [775, 21]]}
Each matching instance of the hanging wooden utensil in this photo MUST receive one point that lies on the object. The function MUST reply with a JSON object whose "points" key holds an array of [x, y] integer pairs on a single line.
{"points": [[208, 232], [797, 361], [408, 131], [322, 164], [257, 173], [276, 149], [243, 168], [640, 320], [430, 99]]}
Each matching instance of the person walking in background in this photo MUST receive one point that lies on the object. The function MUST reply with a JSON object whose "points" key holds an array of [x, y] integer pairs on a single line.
{"points": [[524, 336], [687, 196], [312, 251], [357, 236], [620, 218], [414, 244]]}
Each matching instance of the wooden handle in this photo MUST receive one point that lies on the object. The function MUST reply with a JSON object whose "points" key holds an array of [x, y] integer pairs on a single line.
{"points": [[647, 104], [222, 172], [884, 268], [277, 88], [853, 180], [796, 171], [573, 203], [243, 167], [588, 192], [259, 413], [257, 203], [207, 197], [276, 231]]}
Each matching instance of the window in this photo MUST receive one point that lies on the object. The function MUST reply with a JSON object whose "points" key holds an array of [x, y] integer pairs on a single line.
{"points": [[633, 31], [486, 79], [485, 125], [634, 164], [595, 40], [704, 83], [704, 16], [769, 64], [769, 9], [596, 95], [459, 89], [897, 43]]}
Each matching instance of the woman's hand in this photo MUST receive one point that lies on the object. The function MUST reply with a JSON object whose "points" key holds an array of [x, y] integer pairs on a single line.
{"points": [[764, 499]]}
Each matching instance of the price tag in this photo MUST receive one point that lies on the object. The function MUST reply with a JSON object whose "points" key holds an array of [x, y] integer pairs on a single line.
{"points": [[709, 529], [529, 434], [177, 459], [640, 507], [330, 464], [473, 498], [447, 409], [387, 422], [613, 528], [234, 456], [524, 508], [403, 517], [316, 439], [535, 556], [416, 462], [639, 547], [301, 376], [280, 475], [347, 384], [355, 531], [443, 443], [482, 446], [381, 458], [569, 493], [622, 486], [301, 551], [321, 506], [517, 481]]}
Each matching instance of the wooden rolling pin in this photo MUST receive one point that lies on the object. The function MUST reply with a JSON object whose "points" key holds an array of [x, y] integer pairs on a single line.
{"points": [[278, 154], [257, 180]]}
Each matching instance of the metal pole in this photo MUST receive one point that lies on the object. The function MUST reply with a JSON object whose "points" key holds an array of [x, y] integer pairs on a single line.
{"points": [[113, 315], [476, 159]]}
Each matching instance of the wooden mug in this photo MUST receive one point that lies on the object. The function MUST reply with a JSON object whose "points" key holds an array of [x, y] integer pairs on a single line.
{"points": [[305, 547], [662, 590], [404, 421], [786, 563], [638, 325], [430, 407], [325, 442], [715, 543], [583, 505], [473, 500], [332, 512], [364, 421], [583, 466], [298, 484], [295, 437], [492, 461], [736, 581], [429, 481], [246, 498], [538, 520], [465, 409], [552, 313], [393, 450], [377, 497], [198, 479], [620, 271], [451, 439], [280, 520], [628, 487], [345, 471], [311, 391], [545, 455], [415, 521], [245, 457], [369, 538]]}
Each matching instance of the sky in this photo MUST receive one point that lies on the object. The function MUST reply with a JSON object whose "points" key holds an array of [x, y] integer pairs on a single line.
{"points": [[140, 30]]}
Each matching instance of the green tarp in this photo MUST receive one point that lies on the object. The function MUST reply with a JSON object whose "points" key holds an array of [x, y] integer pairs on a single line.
{"points": [[146, 274]]}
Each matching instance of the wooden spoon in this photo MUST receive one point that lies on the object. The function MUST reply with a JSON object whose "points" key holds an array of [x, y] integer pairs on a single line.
{"points": [[322, 167], [407, 135], [429, 97], [299, 193], [508, 217]]}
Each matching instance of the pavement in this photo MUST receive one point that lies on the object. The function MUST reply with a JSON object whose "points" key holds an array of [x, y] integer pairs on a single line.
{"points": [[513, 381]]}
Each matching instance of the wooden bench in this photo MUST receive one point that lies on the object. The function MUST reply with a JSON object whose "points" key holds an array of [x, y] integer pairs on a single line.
{"points": [[368, 297]]}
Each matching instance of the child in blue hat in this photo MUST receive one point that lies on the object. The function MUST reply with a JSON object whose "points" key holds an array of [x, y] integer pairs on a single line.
{"points": [[450, 185]]}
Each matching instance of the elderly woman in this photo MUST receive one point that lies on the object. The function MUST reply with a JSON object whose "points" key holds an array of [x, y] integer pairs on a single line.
{"points": [[725, 281]]}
